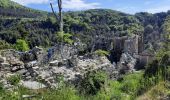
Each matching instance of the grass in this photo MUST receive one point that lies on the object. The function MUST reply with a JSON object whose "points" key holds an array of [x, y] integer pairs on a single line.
{"points": [[14, 80], [158, 92], [102, 52]]}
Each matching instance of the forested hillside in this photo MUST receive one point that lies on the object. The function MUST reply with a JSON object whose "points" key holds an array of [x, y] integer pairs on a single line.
{"points": [[88, 25], [10, 9]]}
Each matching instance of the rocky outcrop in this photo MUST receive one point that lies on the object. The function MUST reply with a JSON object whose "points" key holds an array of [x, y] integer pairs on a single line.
{"points": [[127, 63], [28, 66], [71, 69], [34, 85]]}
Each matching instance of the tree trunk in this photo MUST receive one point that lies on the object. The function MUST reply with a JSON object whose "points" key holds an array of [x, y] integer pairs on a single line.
{"points": [[60, 15], [60, 21]]}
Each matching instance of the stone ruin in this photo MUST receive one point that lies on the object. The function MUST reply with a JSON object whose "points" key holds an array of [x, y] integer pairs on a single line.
{"points": [[135, 47], [40, 67]]}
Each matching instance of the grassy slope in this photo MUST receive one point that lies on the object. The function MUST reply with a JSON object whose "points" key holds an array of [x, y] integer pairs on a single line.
{"points": [[158, 92]]}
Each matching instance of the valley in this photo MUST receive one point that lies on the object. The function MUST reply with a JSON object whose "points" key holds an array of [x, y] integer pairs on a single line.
{"points": [[101, 54]]}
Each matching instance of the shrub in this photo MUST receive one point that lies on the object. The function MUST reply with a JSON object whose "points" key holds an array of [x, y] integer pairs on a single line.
{"points": [[1, 88], [4, 45], [102, 52], [65, 93], [21, 45], [14, 80], [93, 82], [64, 37], [131, 83]]}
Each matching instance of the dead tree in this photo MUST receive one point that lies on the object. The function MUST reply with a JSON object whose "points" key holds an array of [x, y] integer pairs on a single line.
{"points": [[60, 13], [59, 2]]}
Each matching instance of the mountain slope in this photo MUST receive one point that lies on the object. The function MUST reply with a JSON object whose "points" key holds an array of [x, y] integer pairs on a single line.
{"points": [[9, 8], [96, 26], [9, 4]]}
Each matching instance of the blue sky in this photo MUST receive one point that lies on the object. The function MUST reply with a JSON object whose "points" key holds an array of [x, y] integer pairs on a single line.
{"points": [[127, 6]]}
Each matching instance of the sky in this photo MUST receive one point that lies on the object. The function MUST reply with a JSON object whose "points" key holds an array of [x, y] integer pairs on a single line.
{"points": [[127, 6]]}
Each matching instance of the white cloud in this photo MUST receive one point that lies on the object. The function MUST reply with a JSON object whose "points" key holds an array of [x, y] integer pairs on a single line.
{"points": [[26, 2], [67, 4], [158, 9], [79, 4]]}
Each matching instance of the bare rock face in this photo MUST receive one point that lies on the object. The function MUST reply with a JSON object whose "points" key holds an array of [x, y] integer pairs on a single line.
{"points": [[5, 66], [83, 65], [32, 55], [32, 85], [127, 63], [54, 63], [2, 59], [71, 69]]}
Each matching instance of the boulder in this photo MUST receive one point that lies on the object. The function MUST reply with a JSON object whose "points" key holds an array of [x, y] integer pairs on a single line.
{"points": [[31, 64], [54, 63], [2, 59], [16, 63], [127, 63], [27, 56], [34, 85], [22, 71], [16, 68], [5, 66]]}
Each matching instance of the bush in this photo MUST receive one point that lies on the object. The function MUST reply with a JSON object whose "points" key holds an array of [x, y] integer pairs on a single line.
{"points": [[93, 82], [131, 83], [21, 45], [64, 37], [66, 93], [14, 80], [4, 45], [102, 52]]}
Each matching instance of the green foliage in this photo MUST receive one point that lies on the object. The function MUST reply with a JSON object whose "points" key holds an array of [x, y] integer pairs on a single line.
{"points": [[12, 9], [85, 24], [52, 20], [166, 25], [102, 52], [66, 93], [64, 37], [1, 88], [21, 45], [14, 80], [93, 82], [131, 83], [148, 29], [4, 45]]}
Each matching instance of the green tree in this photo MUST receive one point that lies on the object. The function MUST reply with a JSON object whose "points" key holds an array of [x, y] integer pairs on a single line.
{"points": [[93, 82], [21, 45], [64, 37], [148, 29]]}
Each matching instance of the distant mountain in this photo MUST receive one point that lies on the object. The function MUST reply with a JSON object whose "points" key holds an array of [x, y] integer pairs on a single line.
{"points": [[9, 8], [95, 25]]}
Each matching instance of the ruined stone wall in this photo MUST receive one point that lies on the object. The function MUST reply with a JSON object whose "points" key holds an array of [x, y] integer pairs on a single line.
{"points": [[119, 42], [131, 45], [143, 59]]}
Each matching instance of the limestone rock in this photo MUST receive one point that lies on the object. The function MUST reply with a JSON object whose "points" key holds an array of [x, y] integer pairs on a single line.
{"points": [[5, 66], [31, 64], [2, 59], [16, 68], [32, 85], [54, 63], [16, 63], [127, 63]]}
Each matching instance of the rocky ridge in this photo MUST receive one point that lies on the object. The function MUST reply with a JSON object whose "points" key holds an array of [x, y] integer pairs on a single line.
{"points": [[29, 66]]}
